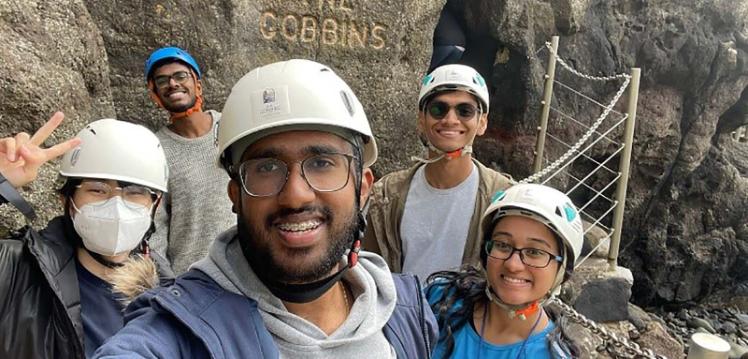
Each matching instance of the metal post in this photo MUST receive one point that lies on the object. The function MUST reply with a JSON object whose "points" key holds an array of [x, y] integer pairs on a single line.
{"points": [[623, 169], [547, 94], [707, 346]]}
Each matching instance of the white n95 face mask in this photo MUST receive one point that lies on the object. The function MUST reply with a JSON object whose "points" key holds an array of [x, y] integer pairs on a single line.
{"points": [[111, 227]]}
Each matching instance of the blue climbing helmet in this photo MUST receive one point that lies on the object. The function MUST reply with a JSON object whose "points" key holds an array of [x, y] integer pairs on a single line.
{"points": [[170, 53]]}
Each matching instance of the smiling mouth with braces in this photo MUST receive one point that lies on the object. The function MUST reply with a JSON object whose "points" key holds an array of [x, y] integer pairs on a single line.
{"points": [[299, 227]]}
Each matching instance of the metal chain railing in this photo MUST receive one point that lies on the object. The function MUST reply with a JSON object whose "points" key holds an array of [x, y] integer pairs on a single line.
{"points": [[620, 344], [617, 346], [588, 77], [534, 177]]}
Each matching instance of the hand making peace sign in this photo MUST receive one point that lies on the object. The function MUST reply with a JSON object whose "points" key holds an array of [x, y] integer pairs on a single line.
{"points": [[21, 156]]}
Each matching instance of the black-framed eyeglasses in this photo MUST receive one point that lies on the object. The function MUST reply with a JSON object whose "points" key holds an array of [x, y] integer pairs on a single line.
{"points": [[180, 77], [263, 177], [132, 193], [532, 257], [439, 110]]}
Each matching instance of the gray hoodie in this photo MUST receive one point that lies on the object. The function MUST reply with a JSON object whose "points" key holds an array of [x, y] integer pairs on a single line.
{"points": [[370, 281]]}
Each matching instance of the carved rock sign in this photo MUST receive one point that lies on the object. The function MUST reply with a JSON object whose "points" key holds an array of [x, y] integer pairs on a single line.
{"points": [[381, 48], [86, 57], [340, 30]]}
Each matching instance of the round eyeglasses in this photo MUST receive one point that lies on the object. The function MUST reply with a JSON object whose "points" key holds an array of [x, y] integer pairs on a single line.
{"points": [[101, 191], [263, 177], [532, 257], [180, 77]]}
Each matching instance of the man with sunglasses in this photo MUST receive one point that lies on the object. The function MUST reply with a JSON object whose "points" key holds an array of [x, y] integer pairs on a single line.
{"points": [[288, 281], [58, 294], [195, 209], [425, 219]]}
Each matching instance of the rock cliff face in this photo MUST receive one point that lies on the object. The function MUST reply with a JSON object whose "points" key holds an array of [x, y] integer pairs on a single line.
{"points": [[86, 58], [685, 234], [52, 57]]}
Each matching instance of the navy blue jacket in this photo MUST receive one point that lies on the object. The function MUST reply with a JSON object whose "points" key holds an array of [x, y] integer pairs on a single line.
{"points": [[196, 318], [40, 304]]}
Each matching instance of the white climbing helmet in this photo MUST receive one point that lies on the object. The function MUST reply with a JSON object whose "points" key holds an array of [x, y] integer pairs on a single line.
{"points": [[287, 96], [454, 77], [544, 204], [118, 150]]}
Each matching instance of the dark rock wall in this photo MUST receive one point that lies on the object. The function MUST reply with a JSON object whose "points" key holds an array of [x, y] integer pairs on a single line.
{"points": [[685, 234]]}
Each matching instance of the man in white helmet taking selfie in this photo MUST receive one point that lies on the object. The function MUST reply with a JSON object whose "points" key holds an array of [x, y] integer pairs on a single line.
{"points": [[425, 218], [289, 280]]}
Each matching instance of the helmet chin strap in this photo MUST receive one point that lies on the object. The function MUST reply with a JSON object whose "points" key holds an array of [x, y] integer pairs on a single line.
{"points": [[197, 107], [525, 310], [521, 311], [307, 292], [102, 260], [460, 152], [145, 250]]}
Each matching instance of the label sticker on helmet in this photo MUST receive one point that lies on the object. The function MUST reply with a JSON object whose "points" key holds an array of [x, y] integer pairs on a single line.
{"points": [[271, 101], [454, 75], [268, 96]]}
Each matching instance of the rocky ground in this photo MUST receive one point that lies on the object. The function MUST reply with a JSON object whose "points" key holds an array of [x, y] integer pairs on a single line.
{"points": [[685, 233], [729, 323]]}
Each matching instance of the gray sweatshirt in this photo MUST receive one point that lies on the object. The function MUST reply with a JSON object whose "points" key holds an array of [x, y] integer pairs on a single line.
{"points": [[197, 207], [375, 299]]}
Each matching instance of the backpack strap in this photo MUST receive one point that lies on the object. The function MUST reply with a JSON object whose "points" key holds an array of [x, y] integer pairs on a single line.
{"points": [[10, 194]]}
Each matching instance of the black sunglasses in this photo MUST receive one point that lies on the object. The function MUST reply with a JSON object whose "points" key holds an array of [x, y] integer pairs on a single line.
{"points": [[439, 110]]}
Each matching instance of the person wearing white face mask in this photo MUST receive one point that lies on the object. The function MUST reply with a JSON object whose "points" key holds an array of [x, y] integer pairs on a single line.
{"points": [[63, 289]]}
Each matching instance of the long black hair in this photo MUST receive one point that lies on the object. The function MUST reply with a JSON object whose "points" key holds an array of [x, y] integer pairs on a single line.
{"points": [[454, 295]]}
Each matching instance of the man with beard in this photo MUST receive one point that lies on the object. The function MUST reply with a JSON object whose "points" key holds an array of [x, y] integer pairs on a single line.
{"points": [[195, 210], [289, 280]]}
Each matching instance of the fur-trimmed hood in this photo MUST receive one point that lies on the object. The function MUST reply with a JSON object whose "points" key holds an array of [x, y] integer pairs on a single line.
{"points": [[140, 274]]}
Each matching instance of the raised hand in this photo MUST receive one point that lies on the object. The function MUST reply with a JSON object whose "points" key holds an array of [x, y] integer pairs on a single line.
{"points": [[21, 156]]}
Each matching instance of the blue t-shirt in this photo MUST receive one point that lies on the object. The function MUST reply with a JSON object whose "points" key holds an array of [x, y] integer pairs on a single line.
{"points": [[101, 310], [469, 345]]}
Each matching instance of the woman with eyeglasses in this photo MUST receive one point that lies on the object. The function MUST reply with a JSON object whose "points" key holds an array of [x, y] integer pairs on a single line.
{"points": [[63, 289], [533, 236]]}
